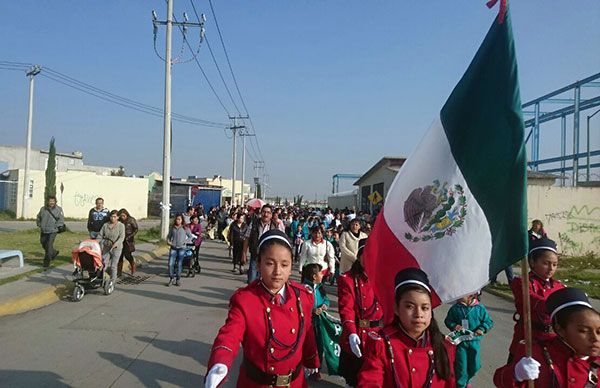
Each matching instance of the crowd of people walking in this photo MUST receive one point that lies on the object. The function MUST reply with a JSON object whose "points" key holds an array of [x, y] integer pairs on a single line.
{"points": [[288, 334], [325, 247]]}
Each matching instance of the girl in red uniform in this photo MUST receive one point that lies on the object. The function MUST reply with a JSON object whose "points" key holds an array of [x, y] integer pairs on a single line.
{"points": [[271, 319], [411, 352], [543, 261], [359, 312], [568, 360]]}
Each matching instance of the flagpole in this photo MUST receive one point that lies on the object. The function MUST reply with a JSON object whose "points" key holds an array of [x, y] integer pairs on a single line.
{"points": [[526, 313]]}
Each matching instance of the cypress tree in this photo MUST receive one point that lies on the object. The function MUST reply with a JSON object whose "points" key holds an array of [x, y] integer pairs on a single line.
{"points": [[50, 189]]}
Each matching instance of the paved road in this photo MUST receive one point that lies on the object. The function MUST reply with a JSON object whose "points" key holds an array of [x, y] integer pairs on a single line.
{"points": [[154, 336], [76, 226]]}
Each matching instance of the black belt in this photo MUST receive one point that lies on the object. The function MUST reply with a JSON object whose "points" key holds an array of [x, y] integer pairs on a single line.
{"points": [[258, 376], [365, 323]]}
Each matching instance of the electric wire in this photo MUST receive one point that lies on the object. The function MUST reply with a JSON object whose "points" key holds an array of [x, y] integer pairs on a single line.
{"points": [[127, 100], [235, 80], [215, 61], [212, 9], [152, 112], [203, 72], [107, 96]]}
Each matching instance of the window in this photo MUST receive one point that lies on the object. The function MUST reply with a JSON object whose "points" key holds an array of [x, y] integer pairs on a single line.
{"points": [[12, 194], [30, 189]]}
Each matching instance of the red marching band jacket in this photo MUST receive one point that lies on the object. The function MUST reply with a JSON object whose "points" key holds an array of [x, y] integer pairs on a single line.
{"points": [[539, 290], [413, 361], [276, 339], [560, 367], [358, 307]]}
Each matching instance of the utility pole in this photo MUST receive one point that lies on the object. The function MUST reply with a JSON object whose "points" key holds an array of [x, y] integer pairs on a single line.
{"points": [[234, 128], [244, 134], [266, 182], [166, 192], [258, 165], [31, 73]]}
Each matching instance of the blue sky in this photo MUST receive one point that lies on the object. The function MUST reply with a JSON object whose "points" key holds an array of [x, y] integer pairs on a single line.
{"points": [[332, 86]]}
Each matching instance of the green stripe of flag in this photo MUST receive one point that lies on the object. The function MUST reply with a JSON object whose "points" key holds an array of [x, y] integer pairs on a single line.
{"points": [[484, 125]]}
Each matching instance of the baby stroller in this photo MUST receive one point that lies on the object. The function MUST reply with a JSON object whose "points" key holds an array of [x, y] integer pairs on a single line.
{"points": [[87, 256], [191, 263]]}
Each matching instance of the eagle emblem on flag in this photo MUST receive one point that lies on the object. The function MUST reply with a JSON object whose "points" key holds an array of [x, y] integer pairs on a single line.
{"points": [[435, 211]]}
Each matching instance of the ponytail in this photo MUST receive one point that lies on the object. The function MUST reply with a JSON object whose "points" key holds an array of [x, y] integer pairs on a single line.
{"points": [[440, 354]]}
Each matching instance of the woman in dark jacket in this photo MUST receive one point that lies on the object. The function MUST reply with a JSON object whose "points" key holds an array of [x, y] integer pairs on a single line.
{"points": [[236, 239], [131, 229]]}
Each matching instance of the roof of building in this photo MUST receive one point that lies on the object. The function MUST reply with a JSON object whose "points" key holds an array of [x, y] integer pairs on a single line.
{"points": [[392, 162]]}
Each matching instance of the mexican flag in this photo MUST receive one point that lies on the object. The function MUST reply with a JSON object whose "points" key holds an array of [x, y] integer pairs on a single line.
{"points": [[457, 208]]}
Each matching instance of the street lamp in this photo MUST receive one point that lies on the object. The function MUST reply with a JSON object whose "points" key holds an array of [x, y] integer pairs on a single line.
{"points": [[588, 143], [31, 73]]}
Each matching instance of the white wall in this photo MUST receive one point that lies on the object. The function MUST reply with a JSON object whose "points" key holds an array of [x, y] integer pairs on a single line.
{"points": [[571, 216], [81, 190]]}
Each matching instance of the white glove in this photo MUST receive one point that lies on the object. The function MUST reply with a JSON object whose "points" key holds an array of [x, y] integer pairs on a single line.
{"points": [[312, 370], [354, 341], [215, 375], [527, 369]]}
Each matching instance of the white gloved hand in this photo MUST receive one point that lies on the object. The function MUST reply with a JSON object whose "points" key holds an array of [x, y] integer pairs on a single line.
{"points": [[215, 375], [527, 369], [354, 341], [312, 370]]}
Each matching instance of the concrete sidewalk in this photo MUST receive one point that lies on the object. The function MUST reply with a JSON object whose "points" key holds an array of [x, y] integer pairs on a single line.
{"points": [[42, 289]]}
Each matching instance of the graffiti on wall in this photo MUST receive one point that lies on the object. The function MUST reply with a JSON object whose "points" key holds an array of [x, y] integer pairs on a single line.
{"points": [[84, 199], [581, 233]]}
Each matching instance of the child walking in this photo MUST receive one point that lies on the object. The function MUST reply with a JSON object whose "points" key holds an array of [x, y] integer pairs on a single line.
{"points": [[468, 314], [313, 278], [298, 240]]}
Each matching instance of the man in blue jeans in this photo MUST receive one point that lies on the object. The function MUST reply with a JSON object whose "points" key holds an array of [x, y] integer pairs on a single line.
{"points": [[256, 229]]}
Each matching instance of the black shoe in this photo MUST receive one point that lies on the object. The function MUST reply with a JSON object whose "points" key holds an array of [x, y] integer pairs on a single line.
{"points": [[55, 254], [177, 283], [169, 283]]}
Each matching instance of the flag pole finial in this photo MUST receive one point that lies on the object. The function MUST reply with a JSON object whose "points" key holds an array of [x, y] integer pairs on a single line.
{"points": [[501, 11]]}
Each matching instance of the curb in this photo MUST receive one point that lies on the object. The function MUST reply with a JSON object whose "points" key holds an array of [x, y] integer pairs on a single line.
{"points": [[54, 293]]}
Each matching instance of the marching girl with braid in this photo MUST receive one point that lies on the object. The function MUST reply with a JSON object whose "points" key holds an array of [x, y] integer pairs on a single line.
{"points": [[271, 319], [410, 352], [359, 312]]}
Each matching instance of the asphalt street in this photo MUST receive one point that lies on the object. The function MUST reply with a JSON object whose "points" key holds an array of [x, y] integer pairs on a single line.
{"points": [[150, 335]]}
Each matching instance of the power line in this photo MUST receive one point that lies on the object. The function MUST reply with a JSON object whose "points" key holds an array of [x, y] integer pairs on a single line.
{"points": [[235, 80], [108, 96], [203, 73], [216, 63], [212, 9]]}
